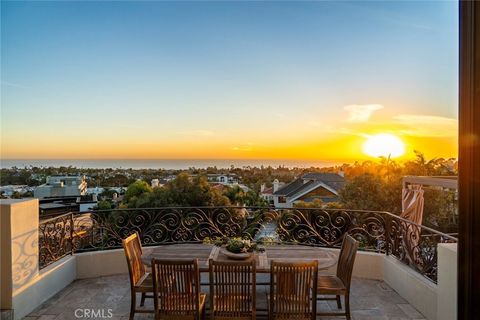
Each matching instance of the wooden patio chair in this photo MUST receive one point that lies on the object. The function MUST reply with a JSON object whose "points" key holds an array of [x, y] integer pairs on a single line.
{"points": [[339, 285], [232, 290], [293, 290], [140, 280], [176, 286]]}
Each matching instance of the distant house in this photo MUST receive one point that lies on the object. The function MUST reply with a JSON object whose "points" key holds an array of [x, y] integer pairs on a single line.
{"points": [[267, 193], [9, 190], [99, 190], [311, 186], [155, 183], [225, 179], [62, 186], [220, 178]]}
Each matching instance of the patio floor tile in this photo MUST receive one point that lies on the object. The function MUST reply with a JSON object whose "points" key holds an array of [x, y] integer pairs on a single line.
{"points": [[370, 300]]}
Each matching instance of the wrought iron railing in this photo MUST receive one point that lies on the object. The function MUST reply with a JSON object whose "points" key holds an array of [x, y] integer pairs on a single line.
{"points": [[415, 245], [54, 238], [376, 231]]}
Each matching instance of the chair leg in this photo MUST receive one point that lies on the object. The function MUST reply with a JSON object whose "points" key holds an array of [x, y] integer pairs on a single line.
{"points": [[347, 306], [339, 302], [133, 303], [142, 300], [204, 313]]}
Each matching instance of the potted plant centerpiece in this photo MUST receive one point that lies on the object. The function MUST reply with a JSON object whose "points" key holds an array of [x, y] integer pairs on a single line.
{"points": [[234, 248]]}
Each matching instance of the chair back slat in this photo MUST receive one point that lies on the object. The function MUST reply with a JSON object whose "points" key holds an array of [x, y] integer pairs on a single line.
{"points": [[133, 252], [346, 260], [232, 289], [176, 286], [293, 290]]}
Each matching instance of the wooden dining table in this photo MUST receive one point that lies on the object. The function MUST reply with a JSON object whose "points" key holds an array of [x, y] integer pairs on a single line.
{"points": [[203, 252]]}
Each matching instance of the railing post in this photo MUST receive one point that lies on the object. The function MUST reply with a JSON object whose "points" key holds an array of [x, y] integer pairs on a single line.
{"points": [[388, 224], [71, 234]]}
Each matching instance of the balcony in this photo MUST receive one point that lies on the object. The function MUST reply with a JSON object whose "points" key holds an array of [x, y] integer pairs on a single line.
{"points": [[72, 261], [371, 299]]}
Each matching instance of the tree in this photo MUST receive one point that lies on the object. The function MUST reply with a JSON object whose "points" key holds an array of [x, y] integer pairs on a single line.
{"points": [[16, 195], [440, 209], [136, 190], [369, 192], [108, 193], [196, 191], [253, 199], [234, 194], [187, 191], [238, 196], [160, 197], [104, 205], [182, 191]]}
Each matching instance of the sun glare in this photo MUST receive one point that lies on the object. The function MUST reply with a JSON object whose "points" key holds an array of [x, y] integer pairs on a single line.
{"points": [[384, 145]]}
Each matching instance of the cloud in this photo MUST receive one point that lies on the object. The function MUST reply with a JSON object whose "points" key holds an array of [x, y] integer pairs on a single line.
{"points": [[361, 112], [13, 84], [427, 125], [198, 133], [246, 148]]}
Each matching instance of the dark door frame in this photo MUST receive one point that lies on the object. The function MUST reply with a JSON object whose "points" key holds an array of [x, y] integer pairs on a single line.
{"points": [[469, 162]]}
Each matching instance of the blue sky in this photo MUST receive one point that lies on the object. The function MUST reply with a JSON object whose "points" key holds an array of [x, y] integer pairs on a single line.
{"points": [[238, 79]]}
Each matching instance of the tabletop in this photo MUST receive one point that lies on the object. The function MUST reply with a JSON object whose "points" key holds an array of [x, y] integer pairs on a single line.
{"points": [[202, 252]]}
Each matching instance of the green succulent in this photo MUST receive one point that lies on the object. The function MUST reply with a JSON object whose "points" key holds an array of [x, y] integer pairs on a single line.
{"points": [[235, 245]]}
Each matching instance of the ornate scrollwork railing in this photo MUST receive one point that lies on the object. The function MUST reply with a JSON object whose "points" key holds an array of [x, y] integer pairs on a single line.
{"points": [[54, 239], [326, 228], [106, 229], [415, 245], [376, 231]]}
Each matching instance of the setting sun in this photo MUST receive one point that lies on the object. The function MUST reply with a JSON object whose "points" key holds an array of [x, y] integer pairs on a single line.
{"points": [[384, 145]]}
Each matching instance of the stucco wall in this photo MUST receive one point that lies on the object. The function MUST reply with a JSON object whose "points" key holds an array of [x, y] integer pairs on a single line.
{"points": [[24, 286], [19, 246], [5, 258], [447, 281], [101, 263], [368, 265], [48, 282], [412, 286]]}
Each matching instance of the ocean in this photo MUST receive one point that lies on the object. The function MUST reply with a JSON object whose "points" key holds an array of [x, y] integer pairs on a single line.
{"points": [[161, 163]]}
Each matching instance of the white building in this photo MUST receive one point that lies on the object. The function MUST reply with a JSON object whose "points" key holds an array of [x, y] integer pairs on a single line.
{"points": [[61, 186], [225, 179], [155, 183], [9, 190], [267, 193], [95, 190]]}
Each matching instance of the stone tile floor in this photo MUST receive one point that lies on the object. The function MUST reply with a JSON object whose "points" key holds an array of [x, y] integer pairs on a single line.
{"points": [[371, 300]]}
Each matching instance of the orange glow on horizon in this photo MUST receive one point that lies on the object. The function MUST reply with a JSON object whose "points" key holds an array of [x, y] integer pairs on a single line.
{"points": [[342, 140]]}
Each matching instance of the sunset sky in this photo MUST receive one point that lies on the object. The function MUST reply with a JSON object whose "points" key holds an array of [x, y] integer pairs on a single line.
{"points": [[228, 80]]}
